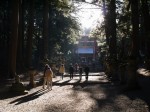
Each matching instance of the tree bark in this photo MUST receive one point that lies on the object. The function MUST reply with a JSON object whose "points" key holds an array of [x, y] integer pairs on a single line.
{"points": [[45, 27], [13, 38], [146, 24], [105, 22], [113, 40], [20, 36], [111, 33], [135, 29], [30, 33], [132, 82]]}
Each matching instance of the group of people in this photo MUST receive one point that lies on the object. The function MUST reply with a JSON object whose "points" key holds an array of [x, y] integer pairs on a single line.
{"points": [[74, 69], [80, 70], [48, 73]]}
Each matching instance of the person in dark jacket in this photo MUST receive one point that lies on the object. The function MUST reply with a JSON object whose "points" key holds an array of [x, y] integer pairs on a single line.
{"points": [[86, 70], [71, 70], [76, 67]]}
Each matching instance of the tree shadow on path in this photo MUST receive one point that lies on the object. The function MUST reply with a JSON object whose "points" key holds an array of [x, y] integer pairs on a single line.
{"points": [[109, 97], [29, 97]]}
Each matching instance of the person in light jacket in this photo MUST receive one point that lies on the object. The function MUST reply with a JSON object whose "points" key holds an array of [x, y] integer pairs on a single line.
{"points": [[80, 72], [62, 70], [48, 76]]}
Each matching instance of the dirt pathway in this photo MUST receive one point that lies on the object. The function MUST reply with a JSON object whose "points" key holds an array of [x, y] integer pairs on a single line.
{"points": [[95, 95]]}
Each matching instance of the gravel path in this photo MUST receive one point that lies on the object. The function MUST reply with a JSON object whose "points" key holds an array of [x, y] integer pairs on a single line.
{"points": [[95, 95]]}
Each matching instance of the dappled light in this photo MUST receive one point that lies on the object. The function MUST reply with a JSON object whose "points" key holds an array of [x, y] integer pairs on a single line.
{"points": [[80, 95], [74, 56]]}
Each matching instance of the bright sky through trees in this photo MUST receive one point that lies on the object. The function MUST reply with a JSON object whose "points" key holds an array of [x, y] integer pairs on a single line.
{"points": [[89, 15]]}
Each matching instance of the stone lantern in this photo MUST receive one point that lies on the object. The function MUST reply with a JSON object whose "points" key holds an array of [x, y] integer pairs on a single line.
{"points": [[32, 72], [17, 87]]}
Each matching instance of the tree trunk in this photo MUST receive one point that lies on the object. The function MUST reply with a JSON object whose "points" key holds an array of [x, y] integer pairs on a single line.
{"points": [[113, 40], [45, 27], [135, 28], [111, 30], [20, 36], [132, 82], [106, 22], [30, 33], [13, 38], [146, 24]]}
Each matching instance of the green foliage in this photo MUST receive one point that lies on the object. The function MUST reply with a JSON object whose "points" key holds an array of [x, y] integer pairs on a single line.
{"points": [[64, 28], [123, 28]]}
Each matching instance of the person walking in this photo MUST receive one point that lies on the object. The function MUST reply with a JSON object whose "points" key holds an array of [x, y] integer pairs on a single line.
{"points": [[80, 72], [62, 70], [76, 67], [86, 70], [71, 70], [48, 75]]}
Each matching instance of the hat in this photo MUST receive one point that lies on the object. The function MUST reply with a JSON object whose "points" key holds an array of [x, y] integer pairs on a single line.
{"points": [[47, 66]]}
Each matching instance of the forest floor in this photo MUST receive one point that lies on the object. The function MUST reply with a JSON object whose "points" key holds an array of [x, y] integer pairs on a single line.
{"points": [[98, 94]]}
